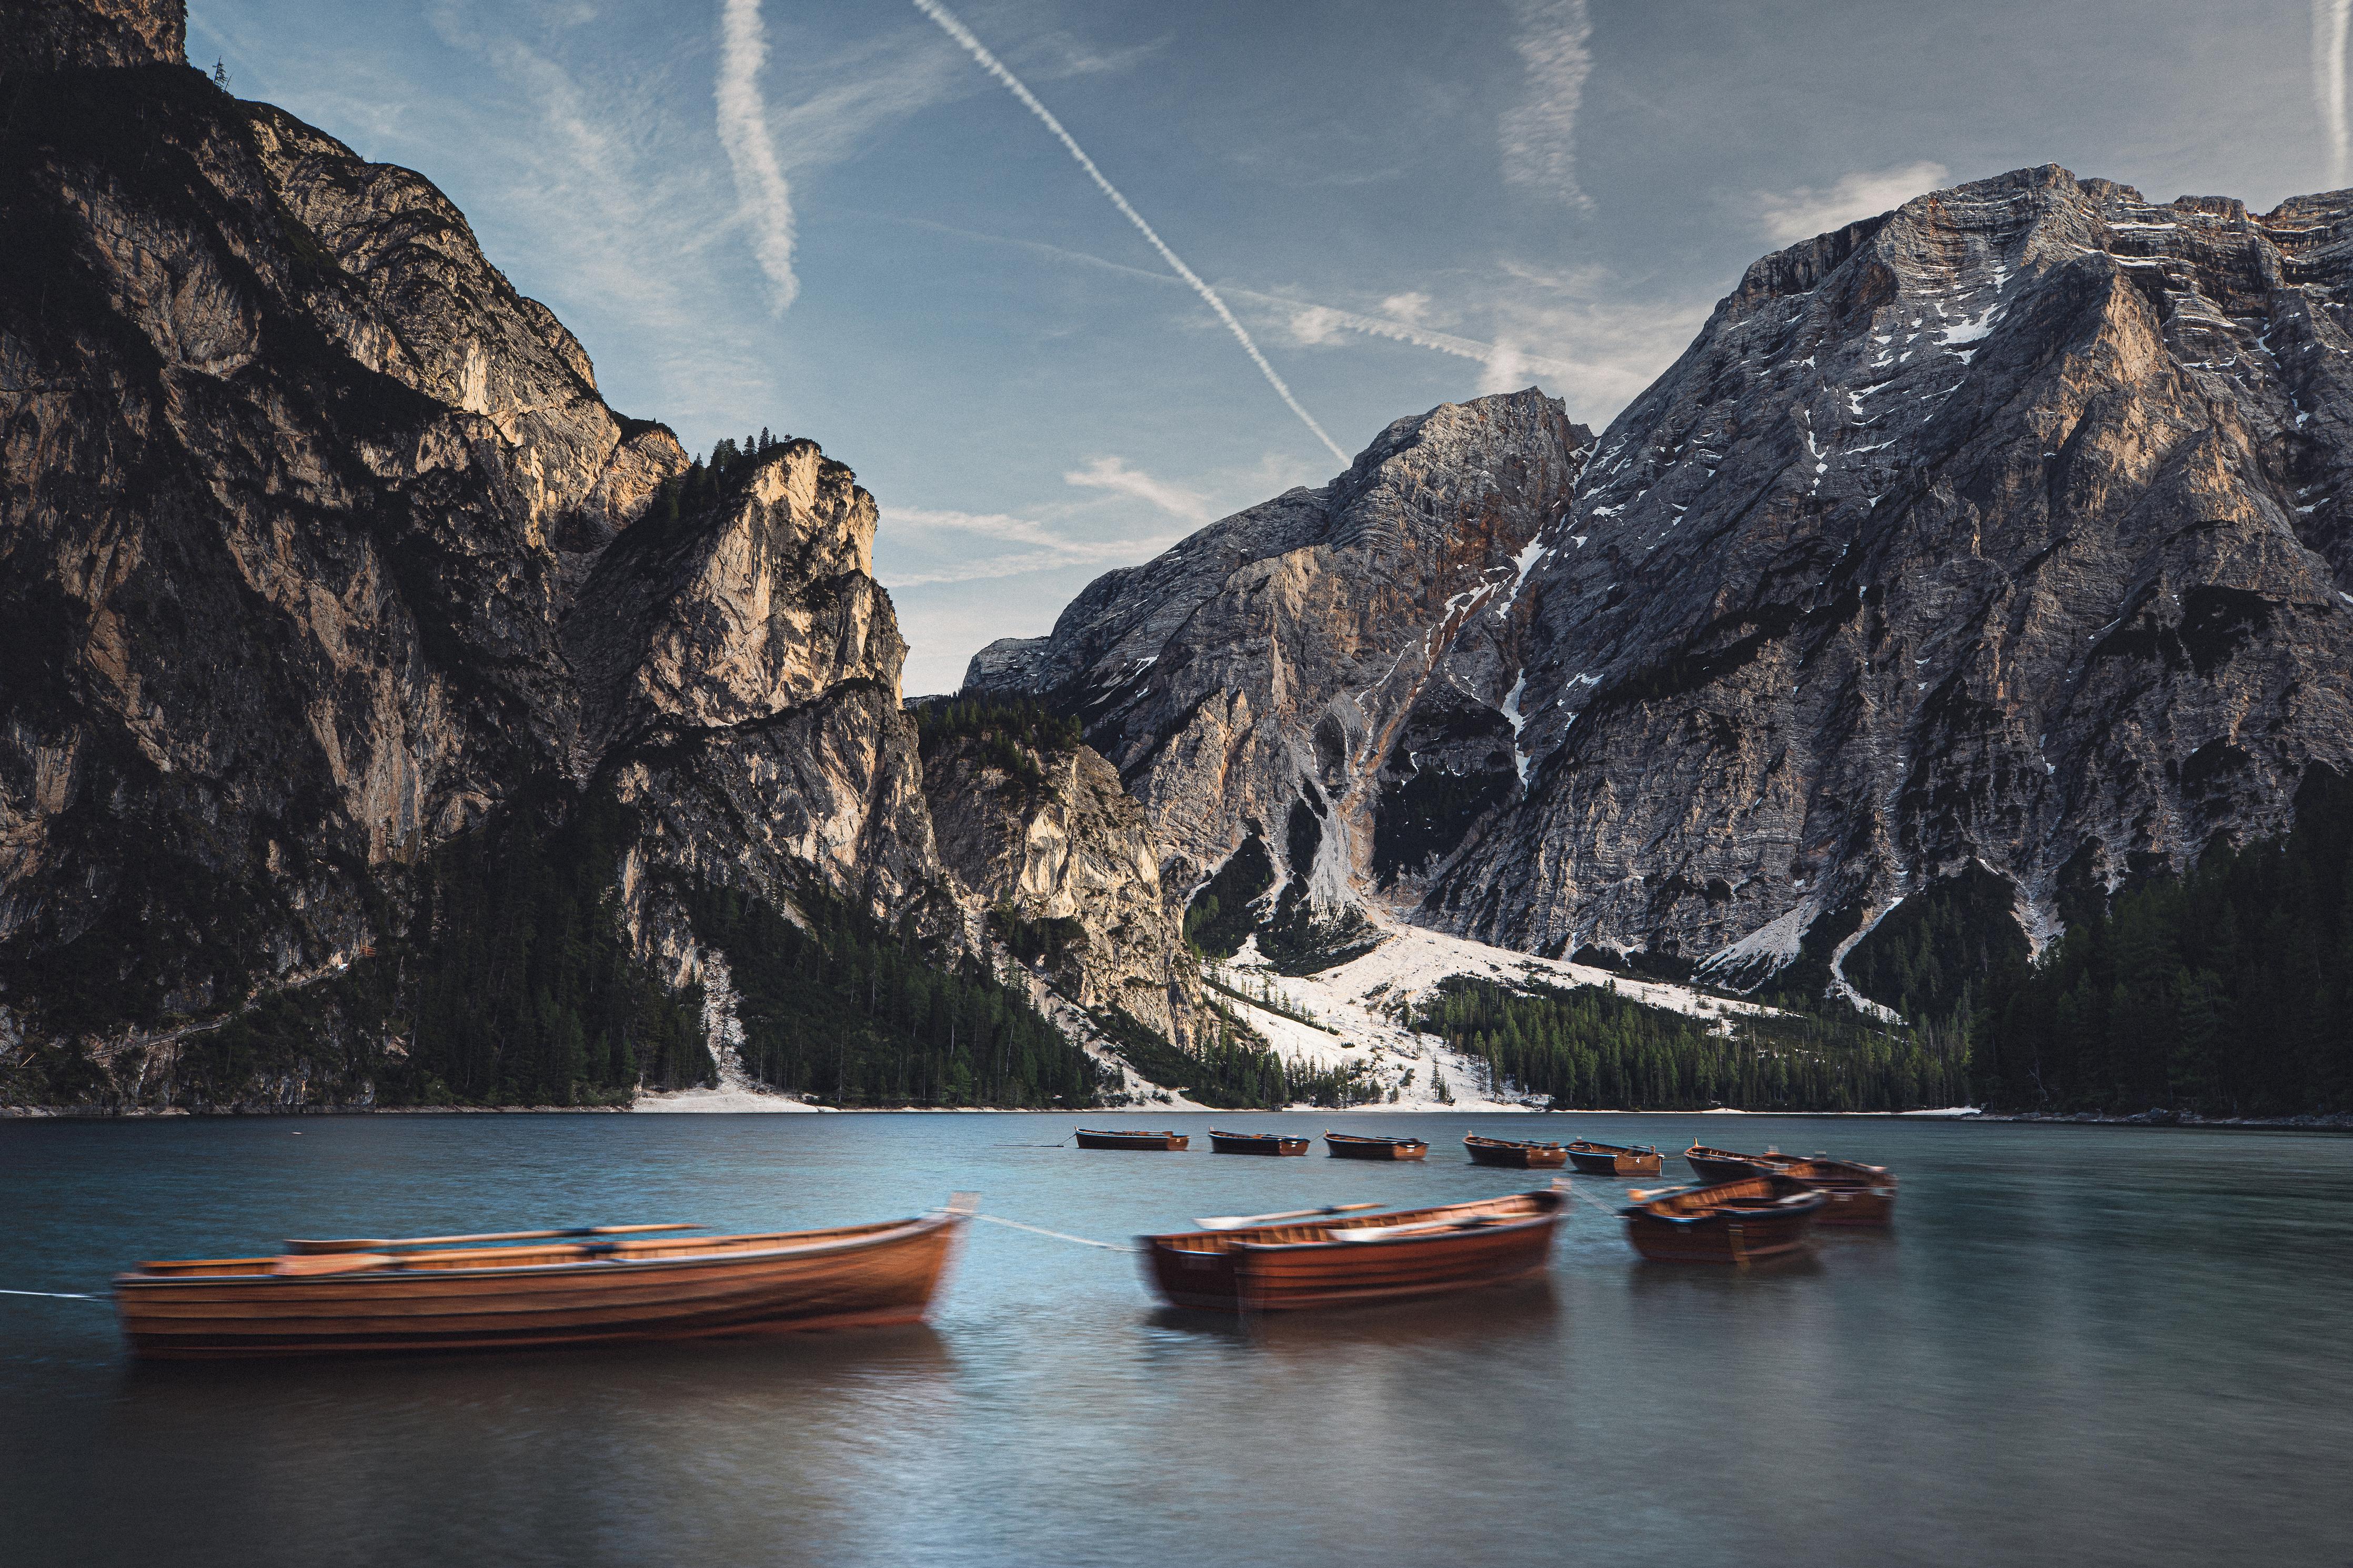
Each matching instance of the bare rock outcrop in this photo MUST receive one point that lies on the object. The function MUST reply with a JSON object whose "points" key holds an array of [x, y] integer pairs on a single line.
{"points": [[2003, 531], [1065, 870], [1259, 679]]}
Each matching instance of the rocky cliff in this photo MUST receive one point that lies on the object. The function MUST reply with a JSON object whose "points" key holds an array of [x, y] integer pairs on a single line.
{"points": [[1289, 679], [2000, 534], [352, 646], [1989, 552], [1061, 861]]}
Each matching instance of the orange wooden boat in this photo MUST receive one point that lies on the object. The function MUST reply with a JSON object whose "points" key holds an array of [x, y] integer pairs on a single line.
{"points": [[567, 1286], [1096, 1138], [1348, 1146], [1255, 1143], [1614, 1160], [1348, 1260], [1856, 1194], [1505, 1152], [1723, 1164], [1745, 1221]]}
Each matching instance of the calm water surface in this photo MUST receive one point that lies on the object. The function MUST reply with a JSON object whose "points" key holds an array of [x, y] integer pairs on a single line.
{"points": [[2081, 1345]]}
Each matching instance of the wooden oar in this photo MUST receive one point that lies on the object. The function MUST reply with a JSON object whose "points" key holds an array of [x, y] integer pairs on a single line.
{"points": [[409, 1243], [1244, 1221]]}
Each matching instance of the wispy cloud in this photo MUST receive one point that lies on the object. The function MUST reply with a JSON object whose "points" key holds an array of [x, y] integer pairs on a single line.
{"points": [[1787, 216], [1114, 474], [1539, 135], [2330, 22], [764, 196], [1039, 546], [996, 68]]}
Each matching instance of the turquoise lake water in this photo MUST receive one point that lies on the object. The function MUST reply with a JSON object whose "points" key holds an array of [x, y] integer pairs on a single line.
{"points": [[2080, 1345]]}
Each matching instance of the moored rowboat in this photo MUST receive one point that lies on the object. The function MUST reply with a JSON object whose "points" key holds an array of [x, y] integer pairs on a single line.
{"points": [[326, 1298], [1348, 1146], [1729, 1222], [1855, 1194], [1506, 1151], [1613, 1160], [1354, 1259], [1255, 1143], [1094, 1138], [1723, 1164]]}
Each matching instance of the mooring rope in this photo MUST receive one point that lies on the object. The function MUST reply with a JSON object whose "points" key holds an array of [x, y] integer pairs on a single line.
{"points": [[1058, 1236], [55, 1295]]}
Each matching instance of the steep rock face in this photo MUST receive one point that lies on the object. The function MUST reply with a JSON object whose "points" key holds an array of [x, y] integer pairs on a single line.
{"points": [[1261, 677], [741, 679], [1069, 871], [2004, 528], [318, 548]]}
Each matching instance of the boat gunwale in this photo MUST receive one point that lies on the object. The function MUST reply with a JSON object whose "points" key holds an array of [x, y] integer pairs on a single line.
{"points": [[605, 1265], [1371, 1237]]}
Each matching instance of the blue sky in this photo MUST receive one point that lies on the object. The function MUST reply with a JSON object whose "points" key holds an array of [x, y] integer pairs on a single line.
{"points": [[832, 220]]}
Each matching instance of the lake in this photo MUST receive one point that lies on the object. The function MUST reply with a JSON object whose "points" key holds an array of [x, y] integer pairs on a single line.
{"points": [[2081, 1344]]}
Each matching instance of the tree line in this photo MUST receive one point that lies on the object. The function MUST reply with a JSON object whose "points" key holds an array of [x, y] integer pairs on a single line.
{"points": [[2227, 991], [1593, 1048]]}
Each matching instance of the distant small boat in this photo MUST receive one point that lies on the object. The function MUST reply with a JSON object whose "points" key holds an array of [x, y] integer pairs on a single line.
{"points": [[1348, 1146], [566, 1287], [1255, 1143], [1614, 1160], [1856, 1194], [1727, 1222], [1346, 1262], [1723, 1164], [1505, 1152], [1090, 1138]]}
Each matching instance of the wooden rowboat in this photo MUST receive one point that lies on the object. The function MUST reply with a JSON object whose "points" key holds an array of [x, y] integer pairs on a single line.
{"points": [[1505, 1152], [444, 1293], [1723, 1164], [1743, 1222], [1348, 1146], [1855, 1194], [1352, 1260], [1255, 1143], [1090, 1138], [1614, 1160]]}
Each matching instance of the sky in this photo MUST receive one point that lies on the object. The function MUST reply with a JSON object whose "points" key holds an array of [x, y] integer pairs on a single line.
{"points": [[1064, 281]]}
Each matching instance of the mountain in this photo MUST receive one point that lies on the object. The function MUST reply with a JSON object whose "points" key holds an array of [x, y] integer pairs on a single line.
{"points": [[1976, 560], [384, 716], [1296, 683]]}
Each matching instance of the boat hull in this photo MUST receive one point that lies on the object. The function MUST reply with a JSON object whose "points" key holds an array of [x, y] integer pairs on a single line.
{"points": [[1616, 1161], [1240, 1144], [1518, 1156], [1374, 1149], [1134, 1143], [868, 1276], [1276, 1278], [1296, 1266], [1740, 1222]]}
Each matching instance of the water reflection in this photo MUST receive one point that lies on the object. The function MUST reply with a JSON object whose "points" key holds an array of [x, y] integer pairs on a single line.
{"points": [[2081, 1345]]}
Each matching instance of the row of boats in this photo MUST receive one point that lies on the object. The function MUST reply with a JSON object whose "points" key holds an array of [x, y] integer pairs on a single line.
{"points": [[600, 1284], [1594, 1159]]}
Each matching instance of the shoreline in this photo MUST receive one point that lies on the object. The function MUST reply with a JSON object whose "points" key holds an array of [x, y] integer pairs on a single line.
{"points": [[2339, 1122]]}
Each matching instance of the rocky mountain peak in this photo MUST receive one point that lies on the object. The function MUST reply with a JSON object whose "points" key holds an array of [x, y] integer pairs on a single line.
{"points": [[2000, 531], [58, 35], [1253, 682]]}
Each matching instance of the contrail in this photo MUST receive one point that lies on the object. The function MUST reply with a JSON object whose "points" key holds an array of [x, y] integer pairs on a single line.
{"points": [[1539, 136], [1307, 318], [760, 185], [2330, 23], [994, 66]]}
